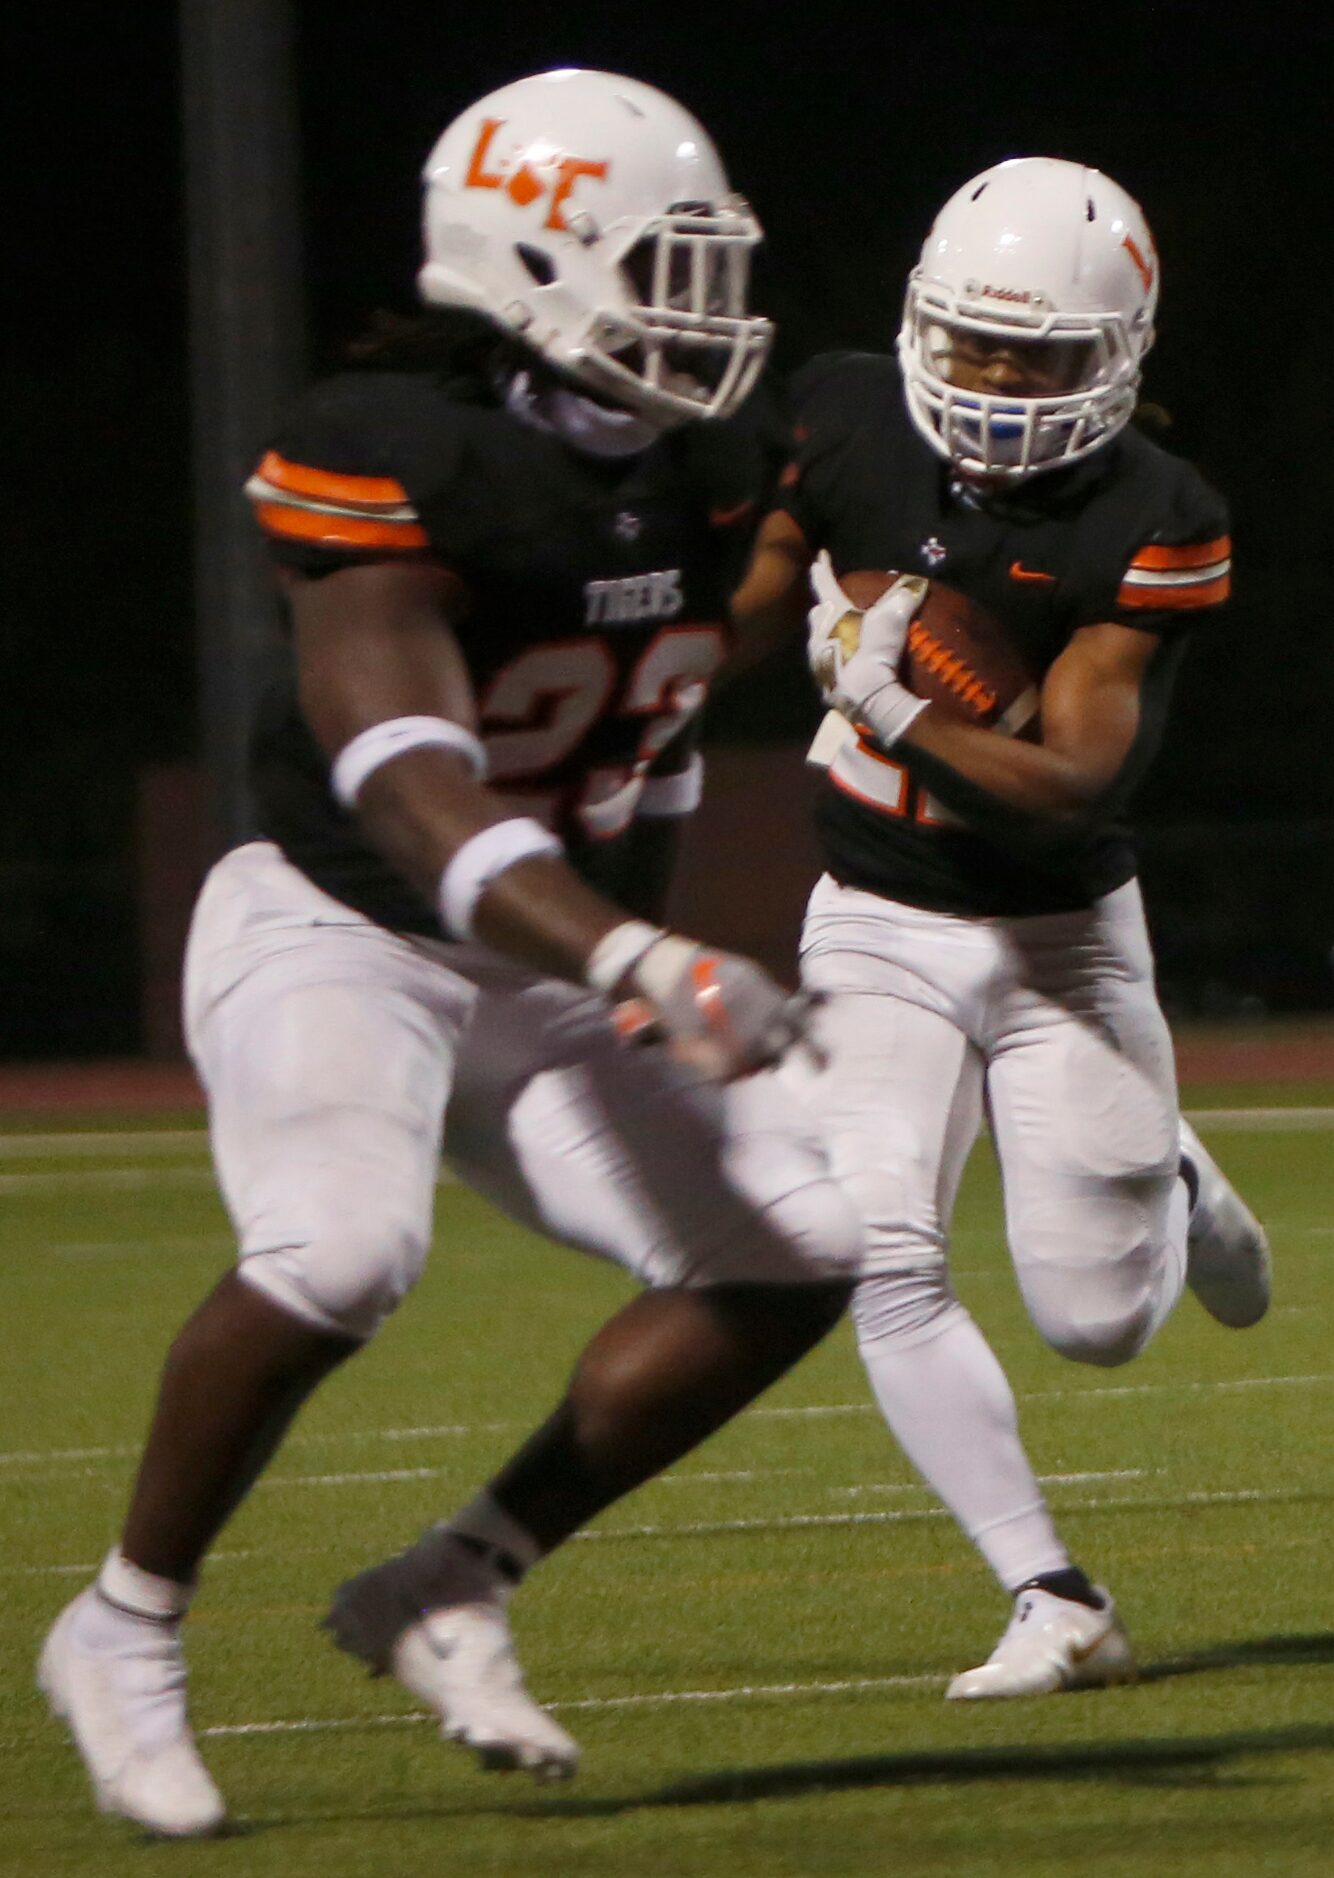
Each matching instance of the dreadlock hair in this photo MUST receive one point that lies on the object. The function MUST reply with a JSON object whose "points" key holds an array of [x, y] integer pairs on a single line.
{"points": [[454, 341]]}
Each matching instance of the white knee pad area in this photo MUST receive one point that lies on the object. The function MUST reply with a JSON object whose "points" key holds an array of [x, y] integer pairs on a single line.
{"points": [[347, 1276], [1102, 1314], [815, 1222]]}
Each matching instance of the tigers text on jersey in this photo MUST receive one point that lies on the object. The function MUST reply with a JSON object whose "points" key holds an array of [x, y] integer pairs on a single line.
{"points": [[598, 593], [1132, 535]]}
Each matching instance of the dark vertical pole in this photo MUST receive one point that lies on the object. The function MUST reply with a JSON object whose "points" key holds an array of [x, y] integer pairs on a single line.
{"points": [[246, 344]]}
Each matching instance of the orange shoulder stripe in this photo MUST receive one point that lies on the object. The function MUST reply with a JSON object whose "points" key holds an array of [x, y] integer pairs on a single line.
{"points": [[1176, 599], [1195, 554], [328, 486], [338, 531]]}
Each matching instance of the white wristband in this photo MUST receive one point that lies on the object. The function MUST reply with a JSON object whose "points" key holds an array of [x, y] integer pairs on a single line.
{"points": [[888, 713], [382, 742], [618, 952], [477, 862]]}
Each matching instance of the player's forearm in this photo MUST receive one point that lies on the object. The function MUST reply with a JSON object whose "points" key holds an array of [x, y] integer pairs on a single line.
{"points": [[768, 608], [1024, 798], [1031, 780], [422, 809]]}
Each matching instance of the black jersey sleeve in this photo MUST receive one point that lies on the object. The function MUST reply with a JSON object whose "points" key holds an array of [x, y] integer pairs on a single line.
{"points": [[341, 480], [737, 463], [1179, 568], [820, 397]]}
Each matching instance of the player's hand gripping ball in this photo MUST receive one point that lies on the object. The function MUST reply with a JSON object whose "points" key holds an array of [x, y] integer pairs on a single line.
{"points": [[855, 652], [955, 653]]}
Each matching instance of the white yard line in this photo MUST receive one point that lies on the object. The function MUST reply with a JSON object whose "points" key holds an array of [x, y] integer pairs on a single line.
{"points": [[128, 1143], [389, 1477], [131, 1144], [192, 1245], [706, 1529], [758, 1692], [109, 1179], [1177, 1388], [1046, 1480], [1263, 1121], [791, 1522], [50, 1457]]}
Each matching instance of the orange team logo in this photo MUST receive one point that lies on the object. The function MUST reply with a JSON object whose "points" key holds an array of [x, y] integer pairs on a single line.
{"points": [[527, 184], [1142, 267]]}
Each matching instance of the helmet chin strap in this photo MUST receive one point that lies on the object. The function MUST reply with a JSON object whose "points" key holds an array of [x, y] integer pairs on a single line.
{"points": [[596, 429]]}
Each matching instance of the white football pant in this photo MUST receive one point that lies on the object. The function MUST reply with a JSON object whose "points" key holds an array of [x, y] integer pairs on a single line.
{"points": [[1052, 1027], [336, 1054]]}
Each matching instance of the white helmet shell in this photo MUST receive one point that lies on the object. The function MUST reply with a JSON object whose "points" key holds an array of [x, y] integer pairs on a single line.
{"points": [[1036, 249], [590, 216]]}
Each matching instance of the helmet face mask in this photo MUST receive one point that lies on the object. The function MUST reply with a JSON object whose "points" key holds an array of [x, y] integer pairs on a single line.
{"points": [[681, 331], [589, 216], [1051, 268]]}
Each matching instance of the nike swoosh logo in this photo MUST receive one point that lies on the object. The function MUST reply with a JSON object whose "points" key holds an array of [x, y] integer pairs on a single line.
{"points": [[1019, 572], [725, 518]]}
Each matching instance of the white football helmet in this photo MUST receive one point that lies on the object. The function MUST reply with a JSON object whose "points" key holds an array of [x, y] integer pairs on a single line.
{"points": [[1054, 263], [590, 216]]}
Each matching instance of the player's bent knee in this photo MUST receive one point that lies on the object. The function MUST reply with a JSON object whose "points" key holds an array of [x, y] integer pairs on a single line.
{"points": [[825, 1229], [344, 1280], [905, 1306], [1087, 1321], [808, 1235], [1105, 1346]]}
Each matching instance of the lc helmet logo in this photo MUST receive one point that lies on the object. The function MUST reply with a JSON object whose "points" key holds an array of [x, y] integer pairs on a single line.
{"points": [[538, 171], [590, 216]]}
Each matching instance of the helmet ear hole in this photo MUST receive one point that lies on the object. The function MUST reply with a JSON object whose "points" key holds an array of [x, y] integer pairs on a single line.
{"points": [[538, 262]]}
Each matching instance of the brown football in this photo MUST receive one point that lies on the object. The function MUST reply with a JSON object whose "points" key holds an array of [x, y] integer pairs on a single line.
{"points": [[958, 655]]}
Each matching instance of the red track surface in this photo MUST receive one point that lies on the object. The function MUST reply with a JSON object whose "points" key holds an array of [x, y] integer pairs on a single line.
{"points": [[1297, 1052]]}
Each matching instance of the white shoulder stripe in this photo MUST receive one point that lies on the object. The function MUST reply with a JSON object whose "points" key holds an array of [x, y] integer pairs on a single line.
{"points": [[260, 489], [1175, 576]]}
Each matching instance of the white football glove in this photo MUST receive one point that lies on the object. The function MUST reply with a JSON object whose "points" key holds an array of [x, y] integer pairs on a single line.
{"points": [[855, 653], [718, 1013]]}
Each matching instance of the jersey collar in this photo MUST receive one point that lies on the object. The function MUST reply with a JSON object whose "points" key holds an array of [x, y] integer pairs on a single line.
{"points": [[594, 429]]}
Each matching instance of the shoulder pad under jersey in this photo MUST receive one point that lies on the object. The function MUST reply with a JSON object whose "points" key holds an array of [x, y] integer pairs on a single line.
{"points": [[834, 382], [344, 473], [1183, 563]]}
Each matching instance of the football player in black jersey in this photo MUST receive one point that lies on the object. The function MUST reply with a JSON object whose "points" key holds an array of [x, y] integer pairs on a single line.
{"points": [[507, 574], [978, 934]]}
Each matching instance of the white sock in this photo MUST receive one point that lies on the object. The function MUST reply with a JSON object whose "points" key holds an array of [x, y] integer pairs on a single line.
{"points": [[489, 1525], [952, 1411], [134, 1604]]}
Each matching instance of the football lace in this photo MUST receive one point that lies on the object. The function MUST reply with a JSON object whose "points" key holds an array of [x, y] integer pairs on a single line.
{"points": [[952, 671]]}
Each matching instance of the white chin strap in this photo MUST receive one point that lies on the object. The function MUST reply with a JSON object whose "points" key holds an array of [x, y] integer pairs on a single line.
{"points": [[596, 429]]}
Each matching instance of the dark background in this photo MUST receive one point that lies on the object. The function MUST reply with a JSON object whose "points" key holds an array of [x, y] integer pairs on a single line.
{"points": [[847, 126]]}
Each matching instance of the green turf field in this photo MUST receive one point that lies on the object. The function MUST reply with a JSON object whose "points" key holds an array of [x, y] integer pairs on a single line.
{"points": [[752, 1650]]}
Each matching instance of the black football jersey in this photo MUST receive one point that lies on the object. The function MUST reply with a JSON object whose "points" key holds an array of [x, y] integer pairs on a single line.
{"points": [[1131, 535], [598, 591]]}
